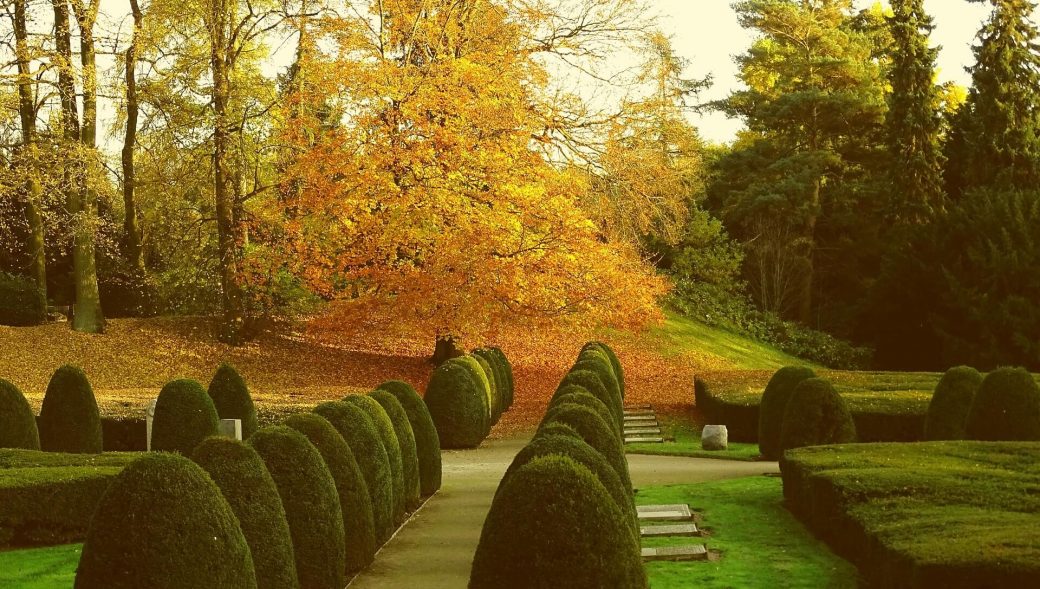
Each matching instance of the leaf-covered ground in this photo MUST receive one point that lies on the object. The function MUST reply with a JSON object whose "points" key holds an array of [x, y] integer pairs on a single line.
{"points": [[299, 366]]}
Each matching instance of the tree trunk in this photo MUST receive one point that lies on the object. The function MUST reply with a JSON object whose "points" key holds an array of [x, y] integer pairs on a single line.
{"points": [[445, 349], [805, 298], [34, 191], [132, 234]]}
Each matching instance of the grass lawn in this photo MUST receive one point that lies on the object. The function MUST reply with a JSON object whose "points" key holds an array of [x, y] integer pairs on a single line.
{"points": [[53, 567], [687, 442], [679, 334], [761, 543]]}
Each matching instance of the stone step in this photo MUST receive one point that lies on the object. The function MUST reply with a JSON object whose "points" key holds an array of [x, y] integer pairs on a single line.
{"points": [[644, 440], [637, 407], [690, 552], [664, 513], [669, 530], [640, 419], [642, 431], [639, 413]]}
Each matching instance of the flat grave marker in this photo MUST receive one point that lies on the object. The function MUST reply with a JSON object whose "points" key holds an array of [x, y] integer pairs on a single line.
{"points": [[664, 513], [644, 440], [643, 431], [690, 552], [669, 530]]}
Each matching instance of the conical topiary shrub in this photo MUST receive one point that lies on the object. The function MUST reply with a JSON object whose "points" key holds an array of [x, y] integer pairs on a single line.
{"points": [[232, 400], [69, 418], [497, 408], [553, 524], [774, 402], [358, 525], [388, 437], [427, 444], [494, 362], [615, 363], [17, 422], [507, 371], [1006, 407], [479, 375], [594, 360], [250, 491], [951, 402], [457, 405], [311, 503], [163, 524], [361, 435], [573, 393], [595, 432], [592, 383], [184, 416], [406, 439], [816, 415]]}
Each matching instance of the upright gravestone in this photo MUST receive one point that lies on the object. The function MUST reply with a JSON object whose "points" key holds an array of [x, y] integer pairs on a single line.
{"points": [[230, 428], [149, 415]]}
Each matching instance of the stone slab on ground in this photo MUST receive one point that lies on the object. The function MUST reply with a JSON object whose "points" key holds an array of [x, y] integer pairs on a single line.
{"points": [[690, 552], [664, 513], [643, 431], [639, 413], [644, 440], [641, 422], [669, 530], [637, 407]]}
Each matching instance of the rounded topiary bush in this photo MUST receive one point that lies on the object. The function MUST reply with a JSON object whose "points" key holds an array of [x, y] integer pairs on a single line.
{"points": [[164, 524], [17, 422], [816, 415], [361, 435], [69, 419], [184, 416], [774, 402], [595, 432], [388, 437], [951, 402], [619, 371], [554, 524], [573, 393], [427, 444], [555, 428], [496, 402], [250, 491], [592, 383], [593, 359], [311, 503], [457, 405], [358, 524], [406, 442], [498, 374], [1006, 407], [478, 374], [507, 373], [232, 400]]}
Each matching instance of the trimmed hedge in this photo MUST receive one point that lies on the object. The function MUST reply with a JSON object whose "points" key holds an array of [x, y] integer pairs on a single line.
{"points": [[503, 396], [184, 416], [507, 370], [595, 432], [497, 408], [20, 301], [250, 491], [619, 371], [477, 373], [592, 383], [163, 523], [232, 400], [17, 422], [406, 442], [358, 526], [69, 419], [357, 429], [596, 360], [457, 405], [388, 437], [1006, 407], [311, 503], [951, 402], [573, 393], [47, 498], [553, 523], [427, 444], [816, 414], [773, 405], [124, 434]]}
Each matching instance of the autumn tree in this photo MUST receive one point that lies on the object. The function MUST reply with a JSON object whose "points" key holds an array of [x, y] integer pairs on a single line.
{"points": [[133, 236], [430, 210]]}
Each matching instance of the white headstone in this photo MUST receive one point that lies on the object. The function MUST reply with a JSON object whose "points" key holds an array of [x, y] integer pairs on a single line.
{"points": [[149, 415], [230, 428], [715, 437]]}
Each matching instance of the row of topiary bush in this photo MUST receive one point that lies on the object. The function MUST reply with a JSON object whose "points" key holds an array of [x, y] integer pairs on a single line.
{"points": [[564, 512], [467, 396]]}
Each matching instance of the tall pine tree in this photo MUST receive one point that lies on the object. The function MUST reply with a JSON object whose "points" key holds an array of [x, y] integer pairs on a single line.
{"points": [[914, 120]]}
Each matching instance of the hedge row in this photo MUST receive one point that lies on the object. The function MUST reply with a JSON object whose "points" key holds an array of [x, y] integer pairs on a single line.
{"points": [[467, 395], [564, 511]]}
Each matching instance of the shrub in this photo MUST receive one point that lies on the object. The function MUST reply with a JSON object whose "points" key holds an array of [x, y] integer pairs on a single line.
{"points": [[388, 437], [573, 447], [573, 393], [184, 416], [816, 414], [406, 442], [20, 301], [951, 402], [128, 293], [232, 400], [164, 523], [476, 372], [17, 422], [358, 525], [496, 403], [555, 428], [1006, 407], [361, 435], [498, 374], [615, 363], [427, 444], [595, 432], [457, 405], [597, 363], [69, 419], [250, 491], [551, 524], [773, 404], [593, 384], [311, 503], [507, 371]]}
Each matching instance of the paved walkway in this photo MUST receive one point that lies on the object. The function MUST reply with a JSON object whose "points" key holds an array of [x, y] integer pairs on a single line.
{"points": [[435, 549]]}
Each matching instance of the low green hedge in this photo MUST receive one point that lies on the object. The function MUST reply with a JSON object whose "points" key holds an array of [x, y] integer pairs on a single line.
{"points": [[427, 444], [69, 420], [458, 405], [124, 434], [48, 498], [935, 514], [232, 400], [17, 423]]}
